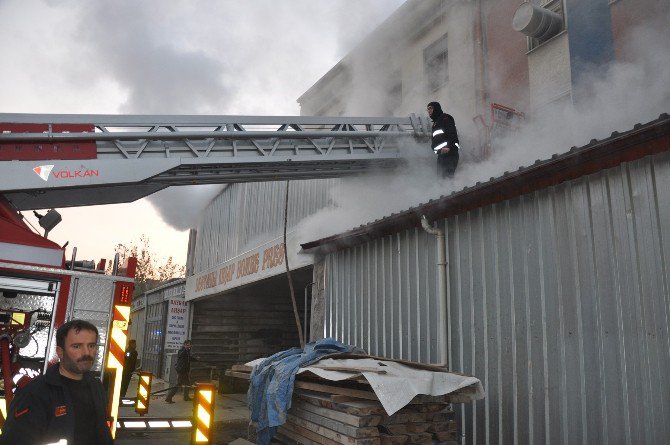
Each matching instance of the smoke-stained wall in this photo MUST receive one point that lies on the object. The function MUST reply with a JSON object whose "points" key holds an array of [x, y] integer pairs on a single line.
{"points": [[504, 56]]}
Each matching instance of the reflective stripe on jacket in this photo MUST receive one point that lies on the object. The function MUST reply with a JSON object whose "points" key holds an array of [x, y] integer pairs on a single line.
{"points": [[444, 134]]}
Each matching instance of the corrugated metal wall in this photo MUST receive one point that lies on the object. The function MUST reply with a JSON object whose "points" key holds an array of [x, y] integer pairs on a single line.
{"points": [[381, 296], [558, 302], [245, 215]]}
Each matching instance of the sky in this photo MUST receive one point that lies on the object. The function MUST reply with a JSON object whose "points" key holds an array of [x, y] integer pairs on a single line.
{"points": [[252, 57]]}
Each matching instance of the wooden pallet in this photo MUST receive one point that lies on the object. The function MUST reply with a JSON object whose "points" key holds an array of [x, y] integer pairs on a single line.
{"points": [[348, 412]]}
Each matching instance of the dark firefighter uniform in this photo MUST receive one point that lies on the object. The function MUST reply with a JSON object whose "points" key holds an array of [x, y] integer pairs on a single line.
{"points": [[49, 409], [183, 368], [444, 136]]}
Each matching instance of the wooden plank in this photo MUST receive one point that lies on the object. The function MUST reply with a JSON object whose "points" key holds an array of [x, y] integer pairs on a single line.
{"points": [[356, 407], [405, 417], [292, 438], [349, 419], [299, 431], [459, 398], [423, 398], [417, 427], [428, 407], [388, 439], [449, 425], [242, 368], [346, 369], [405, 428], [348, 430], [420, 438], [338, 398], [471, 389], [395, 430], [239, 375], [357, 393], [441, 416], [333, 435]]}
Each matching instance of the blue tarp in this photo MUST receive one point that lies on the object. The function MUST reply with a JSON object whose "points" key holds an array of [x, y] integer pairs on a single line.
{"points": [[271, 385]]}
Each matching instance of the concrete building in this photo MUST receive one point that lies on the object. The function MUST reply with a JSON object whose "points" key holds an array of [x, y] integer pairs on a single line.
{"points": [[468, 55]]}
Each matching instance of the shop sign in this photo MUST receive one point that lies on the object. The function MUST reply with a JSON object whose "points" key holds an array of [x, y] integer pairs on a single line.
{"points": [[177, 323], [262, 262]]}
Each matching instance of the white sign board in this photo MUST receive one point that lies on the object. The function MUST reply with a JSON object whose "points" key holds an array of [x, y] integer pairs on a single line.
{"points": [[177, 323], [265, 261]]}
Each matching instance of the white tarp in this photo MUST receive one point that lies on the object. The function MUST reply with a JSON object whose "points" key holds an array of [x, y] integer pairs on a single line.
{"points": [[395, 384]]}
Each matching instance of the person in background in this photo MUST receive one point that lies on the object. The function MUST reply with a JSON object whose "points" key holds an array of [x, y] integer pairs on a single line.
{"points": [[183, 368], [67, 404], [444, 140], [129, 365]]}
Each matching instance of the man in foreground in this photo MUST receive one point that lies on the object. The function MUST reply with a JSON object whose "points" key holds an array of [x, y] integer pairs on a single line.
{"points": [[67, 402]]}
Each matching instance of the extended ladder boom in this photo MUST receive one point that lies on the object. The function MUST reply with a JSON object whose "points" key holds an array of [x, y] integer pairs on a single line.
{"points": [[73, 160]]}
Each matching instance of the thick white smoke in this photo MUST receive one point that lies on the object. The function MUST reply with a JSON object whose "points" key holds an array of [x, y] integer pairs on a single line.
{"points": [[155, 57], [630, 91]]}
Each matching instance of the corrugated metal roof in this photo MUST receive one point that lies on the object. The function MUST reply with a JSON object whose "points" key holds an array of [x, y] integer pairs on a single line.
{"points": [[642, 140]]}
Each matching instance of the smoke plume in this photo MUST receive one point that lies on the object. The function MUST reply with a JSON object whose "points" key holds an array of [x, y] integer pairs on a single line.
{"points": [[229, 57], [636, 89]]}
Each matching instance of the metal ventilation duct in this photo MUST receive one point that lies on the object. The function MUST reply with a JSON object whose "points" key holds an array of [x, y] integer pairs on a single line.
{"points": [[536, 21]]}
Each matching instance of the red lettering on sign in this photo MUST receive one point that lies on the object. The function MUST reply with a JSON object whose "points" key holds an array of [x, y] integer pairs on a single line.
{"points": [[273, 256], [66, 174]]}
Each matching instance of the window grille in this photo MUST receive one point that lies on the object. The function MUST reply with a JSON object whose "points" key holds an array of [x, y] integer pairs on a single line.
{"points": [[435, 63]]}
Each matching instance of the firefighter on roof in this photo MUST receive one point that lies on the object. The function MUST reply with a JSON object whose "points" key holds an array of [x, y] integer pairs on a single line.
{"points": [[444, 140]]}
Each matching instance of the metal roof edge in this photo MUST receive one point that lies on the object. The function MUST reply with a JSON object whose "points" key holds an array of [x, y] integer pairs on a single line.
{"points": [[171, 282]]}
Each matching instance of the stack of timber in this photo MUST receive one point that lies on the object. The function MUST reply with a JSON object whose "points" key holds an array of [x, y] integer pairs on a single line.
{"points": [[348, 412]]}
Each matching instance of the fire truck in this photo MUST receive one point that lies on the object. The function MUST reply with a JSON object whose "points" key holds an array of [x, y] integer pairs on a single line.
{"points": [[53, 161], [40, 290]]}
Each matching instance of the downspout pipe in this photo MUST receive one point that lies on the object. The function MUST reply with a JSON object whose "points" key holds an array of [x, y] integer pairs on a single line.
{"points": [[442, 326]]}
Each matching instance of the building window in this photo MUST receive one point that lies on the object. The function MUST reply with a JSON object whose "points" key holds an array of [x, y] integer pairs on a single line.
{"points": [[553, 6], [435, 64]]}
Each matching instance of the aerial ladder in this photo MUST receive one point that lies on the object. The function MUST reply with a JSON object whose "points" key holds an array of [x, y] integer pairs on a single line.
{"points": [[49, 161]]}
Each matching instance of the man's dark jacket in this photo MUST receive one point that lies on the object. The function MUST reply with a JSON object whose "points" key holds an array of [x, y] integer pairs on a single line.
{"points": [[444, 130], [183, 365], [42, 412]]}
